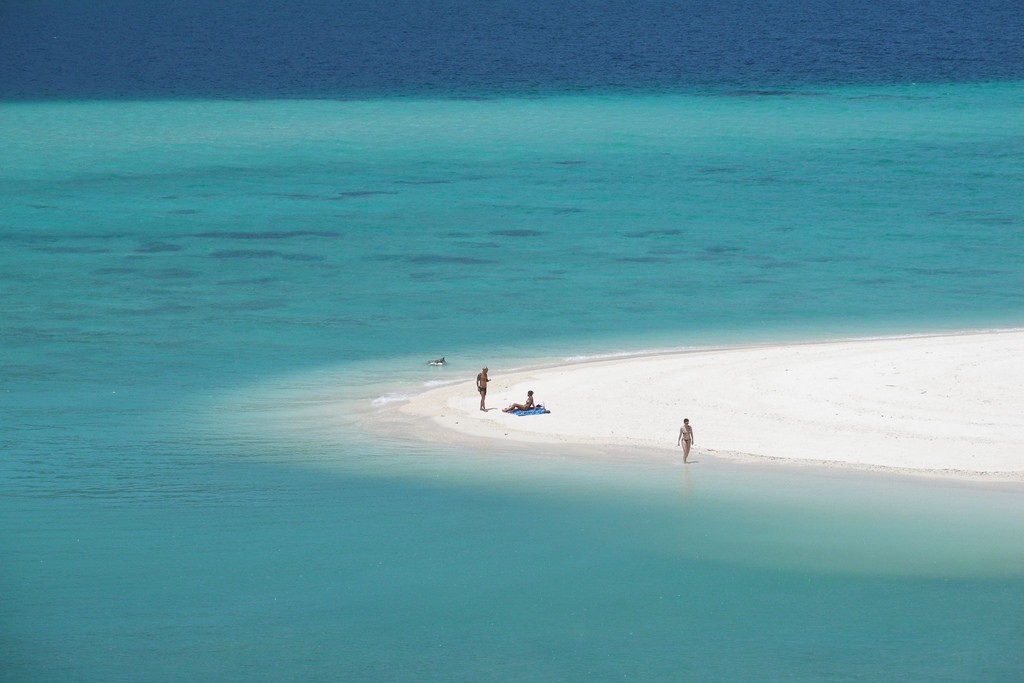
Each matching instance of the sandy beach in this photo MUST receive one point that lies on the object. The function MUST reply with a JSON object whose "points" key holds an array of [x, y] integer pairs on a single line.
{"points": [[950, 404]]}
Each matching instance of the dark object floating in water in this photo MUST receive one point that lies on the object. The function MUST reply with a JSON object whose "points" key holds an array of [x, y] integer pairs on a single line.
{"points": [[437, 361]]}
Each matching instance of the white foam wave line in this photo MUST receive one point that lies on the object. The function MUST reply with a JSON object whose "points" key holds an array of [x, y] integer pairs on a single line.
{"points": [[399, 397], [583, 358], [390, 398], [434, 383]]}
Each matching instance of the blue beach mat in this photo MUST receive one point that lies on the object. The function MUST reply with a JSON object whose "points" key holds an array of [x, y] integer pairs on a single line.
{"points": [[539, 410]]}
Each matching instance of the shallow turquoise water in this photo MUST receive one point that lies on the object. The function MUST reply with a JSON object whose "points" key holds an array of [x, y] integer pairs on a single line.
{"points": [[190, 287], [263, 571]]}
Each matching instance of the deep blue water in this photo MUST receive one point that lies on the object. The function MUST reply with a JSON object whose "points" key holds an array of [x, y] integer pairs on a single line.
{"points": [[202, 297], [321, 48]]}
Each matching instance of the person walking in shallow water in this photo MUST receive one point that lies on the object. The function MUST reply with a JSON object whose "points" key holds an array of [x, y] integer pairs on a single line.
{"points": [[481, 386], [685, 438]]}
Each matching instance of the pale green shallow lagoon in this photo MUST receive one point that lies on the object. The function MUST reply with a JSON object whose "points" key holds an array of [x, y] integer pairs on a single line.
{"points": [[161, 260]]}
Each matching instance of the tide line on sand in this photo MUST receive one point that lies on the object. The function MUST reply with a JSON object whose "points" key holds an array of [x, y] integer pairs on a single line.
{"points": [[943, 404]]}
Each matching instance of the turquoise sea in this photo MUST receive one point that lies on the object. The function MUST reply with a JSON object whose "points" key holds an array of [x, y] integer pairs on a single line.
{"points": [[204, 298]]}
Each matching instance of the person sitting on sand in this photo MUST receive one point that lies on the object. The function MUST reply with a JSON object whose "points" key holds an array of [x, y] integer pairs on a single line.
{"points": [[522, 406]]}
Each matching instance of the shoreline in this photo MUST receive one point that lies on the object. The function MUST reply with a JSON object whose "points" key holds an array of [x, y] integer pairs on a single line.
{"points": [[939, 405]]}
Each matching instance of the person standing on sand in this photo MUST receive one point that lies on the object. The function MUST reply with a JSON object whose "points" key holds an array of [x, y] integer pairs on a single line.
{"points": [[481, 386], [685, 438]]}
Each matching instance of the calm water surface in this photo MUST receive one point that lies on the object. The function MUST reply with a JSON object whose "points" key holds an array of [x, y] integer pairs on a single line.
{"points": [[219, 249]]}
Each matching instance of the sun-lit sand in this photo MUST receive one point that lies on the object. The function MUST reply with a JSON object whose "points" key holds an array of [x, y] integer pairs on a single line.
{"points": [[938, 404]]}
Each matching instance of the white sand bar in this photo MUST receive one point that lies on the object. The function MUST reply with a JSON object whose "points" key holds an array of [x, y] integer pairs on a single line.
{"points": [[937, 404]]}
